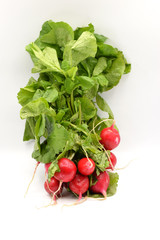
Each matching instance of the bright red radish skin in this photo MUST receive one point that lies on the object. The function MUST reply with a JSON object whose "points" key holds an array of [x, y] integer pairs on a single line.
{"points": [[68, 170], [110, 138], [52, 186], [113, 160], [79, 184], [47, 165], [86, 166], [102, 184]]}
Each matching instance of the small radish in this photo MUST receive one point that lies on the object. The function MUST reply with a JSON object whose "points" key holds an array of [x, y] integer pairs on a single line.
{"points": [[67, 172], [110, 137], [113, 160], [79, 184], [101, 184], [86, 166], [52, 187]]}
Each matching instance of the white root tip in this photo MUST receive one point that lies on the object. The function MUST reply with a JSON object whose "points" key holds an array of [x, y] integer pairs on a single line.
{"points": [[32, 178], [75, 203]]}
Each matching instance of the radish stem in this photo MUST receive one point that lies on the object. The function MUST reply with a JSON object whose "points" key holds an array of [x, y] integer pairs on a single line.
{"points": [[87, 155], [105, 120], [80, 114]]}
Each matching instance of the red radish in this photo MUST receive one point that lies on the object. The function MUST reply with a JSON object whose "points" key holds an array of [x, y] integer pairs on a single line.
{"points": [[68, 170], [113, 160], [86, 166], [47, 165], [110, 137], [79, 184], [52, 187], [102, 184]]}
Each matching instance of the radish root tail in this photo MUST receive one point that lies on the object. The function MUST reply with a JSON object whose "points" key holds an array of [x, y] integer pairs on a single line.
{"points": [[75, 203], [125, 165], [99, 199], [32, 178], [54, 193], [54, 196], [48, 205]]}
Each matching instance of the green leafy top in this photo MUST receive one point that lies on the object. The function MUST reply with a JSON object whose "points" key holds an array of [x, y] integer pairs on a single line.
{"points": [[59, 107]]}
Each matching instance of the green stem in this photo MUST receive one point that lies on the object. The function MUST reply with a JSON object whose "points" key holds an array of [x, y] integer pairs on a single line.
{"points": [[71, 155], [80, 114], [72, 102], [69, 105], [76, 127]]}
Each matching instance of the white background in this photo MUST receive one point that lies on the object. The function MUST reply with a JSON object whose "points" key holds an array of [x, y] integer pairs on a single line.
{"points": [[133, 213]]}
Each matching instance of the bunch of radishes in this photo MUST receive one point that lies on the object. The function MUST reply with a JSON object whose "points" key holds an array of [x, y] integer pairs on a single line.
{"points": [[76, 177]]}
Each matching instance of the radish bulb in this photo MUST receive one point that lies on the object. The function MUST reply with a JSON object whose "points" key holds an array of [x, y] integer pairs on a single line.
{"points": [[101, 184], [79, 185], [110, 138], [52, 187], [67, 172], [113, 161], [86, 166]]}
